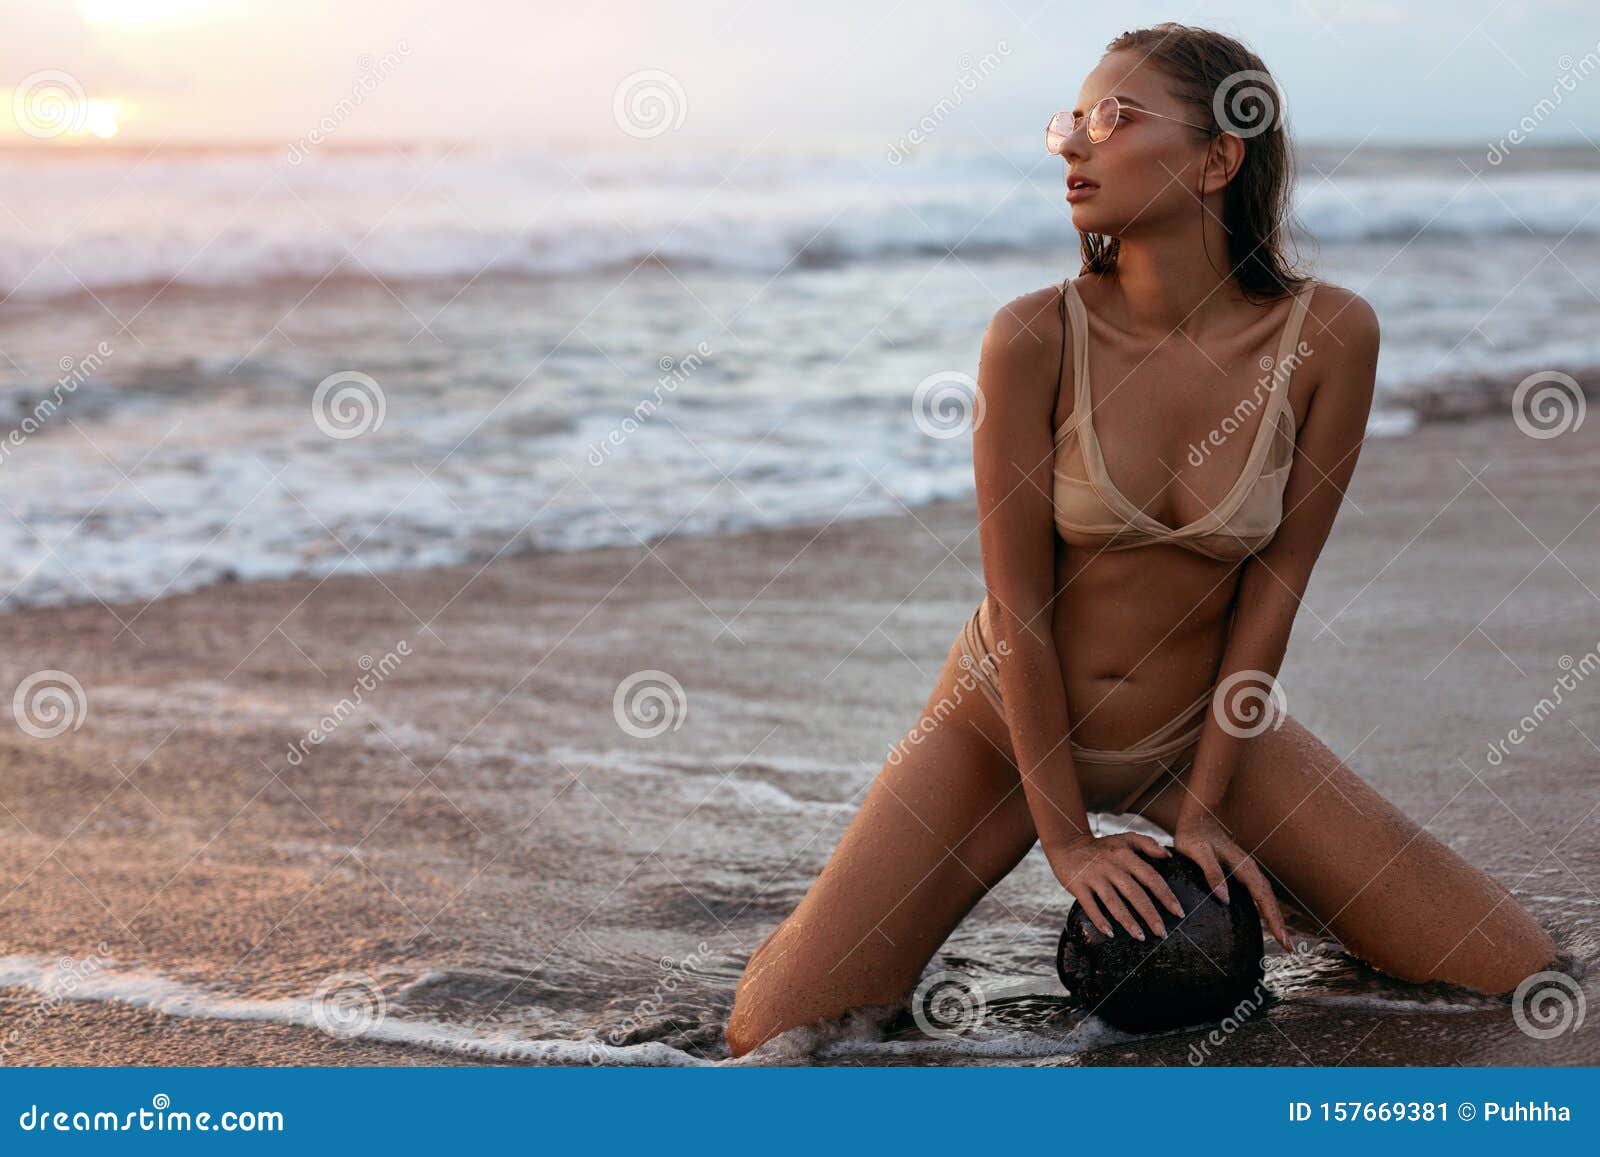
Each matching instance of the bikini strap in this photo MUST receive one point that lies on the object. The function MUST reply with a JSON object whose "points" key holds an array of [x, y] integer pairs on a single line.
{"points": [[1061, 308], [1080, 350], [1290, 340]]}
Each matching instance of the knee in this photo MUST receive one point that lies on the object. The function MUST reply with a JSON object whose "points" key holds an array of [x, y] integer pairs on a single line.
{"points": [[1493, 958], [1534, 951], [743, 1031], [755, 1019]]}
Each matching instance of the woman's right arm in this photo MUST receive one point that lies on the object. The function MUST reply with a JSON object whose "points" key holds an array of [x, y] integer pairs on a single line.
{"points": [[1013, 455]]}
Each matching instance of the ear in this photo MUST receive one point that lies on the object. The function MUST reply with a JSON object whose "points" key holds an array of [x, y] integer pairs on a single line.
{"points": [[1222, 162]]}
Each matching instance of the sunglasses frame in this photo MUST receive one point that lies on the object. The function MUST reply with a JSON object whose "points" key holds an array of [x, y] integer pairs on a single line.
{"points": [[1116, 117]]}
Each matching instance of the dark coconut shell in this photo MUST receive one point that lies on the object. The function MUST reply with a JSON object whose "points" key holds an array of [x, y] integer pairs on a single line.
{"points": [[1199, 973]]}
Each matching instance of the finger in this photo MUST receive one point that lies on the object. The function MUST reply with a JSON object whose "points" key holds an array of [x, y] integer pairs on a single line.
{"points": [[1091, 909], [1153, 846], [1107, 893], [1206, 857], [1133, 888], [1254, 879], [1153, 880]]}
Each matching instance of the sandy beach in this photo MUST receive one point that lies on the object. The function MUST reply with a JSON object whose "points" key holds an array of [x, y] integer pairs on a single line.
{"points": [[508, 861]]}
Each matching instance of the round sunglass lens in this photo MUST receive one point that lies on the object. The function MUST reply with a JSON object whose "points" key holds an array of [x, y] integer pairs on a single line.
{"points": [[1102, 119]]}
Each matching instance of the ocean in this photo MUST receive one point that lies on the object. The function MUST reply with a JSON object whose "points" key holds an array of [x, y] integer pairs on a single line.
{"points": [[222, 365]]}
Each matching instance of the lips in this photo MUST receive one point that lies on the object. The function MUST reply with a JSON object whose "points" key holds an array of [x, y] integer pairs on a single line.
{"points": [[1075, 181]]}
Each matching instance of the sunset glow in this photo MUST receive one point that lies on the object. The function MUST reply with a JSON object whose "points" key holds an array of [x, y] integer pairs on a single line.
{"points": [[135, 13]]}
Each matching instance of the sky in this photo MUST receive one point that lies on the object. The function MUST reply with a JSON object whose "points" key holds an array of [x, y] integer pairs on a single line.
{"points": [[676, 73]]}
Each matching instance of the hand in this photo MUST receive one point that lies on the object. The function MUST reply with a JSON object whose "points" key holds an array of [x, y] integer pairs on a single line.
{"points": [[1106, 869], [1205, 841]]}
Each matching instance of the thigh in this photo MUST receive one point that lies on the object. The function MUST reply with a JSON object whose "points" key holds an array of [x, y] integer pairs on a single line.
{"points": [[1392, 894], [944, 821]]}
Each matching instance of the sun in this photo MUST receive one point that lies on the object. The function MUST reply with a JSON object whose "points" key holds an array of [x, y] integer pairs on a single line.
{"points": [[100, 118]]}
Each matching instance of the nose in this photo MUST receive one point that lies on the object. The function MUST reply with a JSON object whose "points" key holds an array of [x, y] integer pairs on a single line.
{"points": [[1075, 143]]}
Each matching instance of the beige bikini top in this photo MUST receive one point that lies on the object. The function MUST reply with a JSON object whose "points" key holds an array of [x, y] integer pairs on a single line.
{"points": [[1091, 512]]}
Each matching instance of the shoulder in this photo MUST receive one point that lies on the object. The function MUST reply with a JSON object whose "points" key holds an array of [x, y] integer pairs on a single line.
{"points": [[1342, 320], [1340, 339], [1027, 326], [1023, 349]]}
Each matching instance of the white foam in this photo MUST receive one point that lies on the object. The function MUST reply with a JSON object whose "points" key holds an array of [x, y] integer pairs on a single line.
{"points": [[109, 222], [144, 988], [1394, 1003]]}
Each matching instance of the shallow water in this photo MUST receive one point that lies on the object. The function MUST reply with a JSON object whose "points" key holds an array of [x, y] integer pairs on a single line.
{"points": [[500, 408]]}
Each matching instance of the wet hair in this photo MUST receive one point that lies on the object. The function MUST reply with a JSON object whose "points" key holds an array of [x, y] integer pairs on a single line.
{"points": [[1214, 73]]}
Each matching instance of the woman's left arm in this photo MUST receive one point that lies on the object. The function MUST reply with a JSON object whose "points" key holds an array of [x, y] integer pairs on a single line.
{"points": [[1344, 353]]}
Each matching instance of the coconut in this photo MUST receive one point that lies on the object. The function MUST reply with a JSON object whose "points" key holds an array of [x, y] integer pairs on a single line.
{"points": [[1206, 966]]}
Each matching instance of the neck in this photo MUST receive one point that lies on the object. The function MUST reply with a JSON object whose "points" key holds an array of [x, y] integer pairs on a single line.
{"points": [[1169, 281]]}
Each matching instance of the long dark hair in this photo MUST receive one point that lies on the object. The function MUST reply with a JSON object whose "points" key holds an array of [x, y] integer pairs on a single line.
{"points": [[1213, 73]]}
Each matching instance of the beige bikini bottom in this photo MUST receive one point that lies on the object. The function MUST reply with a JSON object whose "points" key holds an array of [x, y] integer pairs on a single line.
{"points": [[1111, 781]]}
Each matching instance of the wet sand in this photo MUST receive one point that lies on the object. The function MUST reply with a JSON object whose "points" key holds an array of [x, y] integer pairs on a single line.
{"points": [[487, 844]]}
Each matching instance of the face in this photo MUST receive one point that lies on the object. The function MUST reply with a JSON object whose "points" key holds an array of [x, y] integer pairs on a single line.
{"points": [[1148, 170]]}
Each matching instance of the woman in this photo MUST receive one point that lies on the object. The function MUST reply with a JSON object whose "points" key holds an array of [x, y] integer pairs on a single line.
{"points": [[1151, 504]]}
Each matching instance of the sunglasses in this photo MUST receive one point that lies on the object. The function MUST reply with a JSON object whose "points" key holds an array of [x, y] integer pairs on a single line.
{"points": [[1102, 121]]}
